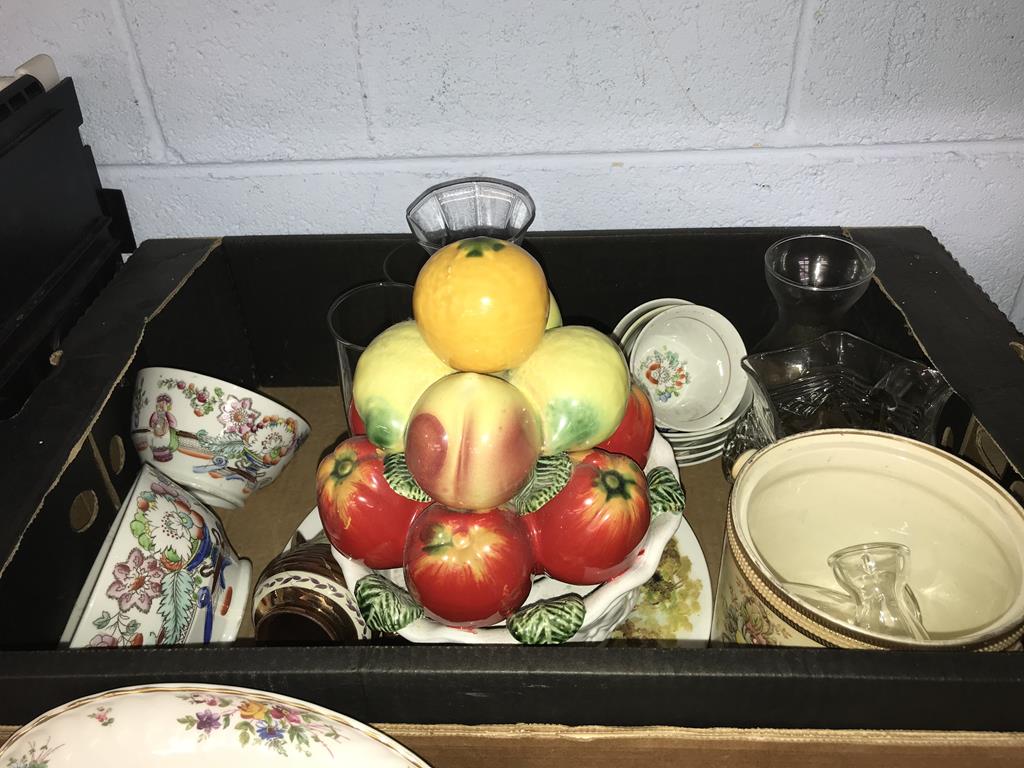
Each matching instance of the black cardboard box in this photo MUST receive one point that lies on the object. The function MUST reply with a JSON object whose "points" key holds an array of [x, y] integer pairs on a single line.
{"points": [[253, 310]]}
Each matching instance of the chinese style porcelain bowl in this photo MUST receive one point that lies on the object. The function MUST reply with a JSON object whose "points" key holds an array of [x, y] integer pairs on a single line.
{"points": [[220, 441], [166, 575], [800, 505], [167, 726]]}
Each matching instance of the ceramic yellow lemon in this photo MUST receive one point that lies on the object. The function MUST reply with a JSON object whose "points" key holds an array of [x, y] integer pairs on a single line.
{"points": [[481, 304], [578, 383], [396, 368]]}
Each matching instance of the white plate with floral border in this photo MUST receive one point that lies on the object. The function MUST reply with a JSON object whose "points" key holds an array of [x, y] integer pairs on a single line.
{"points": [[593, 612], [172, 725]]}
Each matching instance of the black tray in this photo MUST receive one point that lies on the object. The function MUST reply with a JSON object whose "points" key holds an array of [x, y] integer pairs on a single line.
{"points": [[208, 310]]}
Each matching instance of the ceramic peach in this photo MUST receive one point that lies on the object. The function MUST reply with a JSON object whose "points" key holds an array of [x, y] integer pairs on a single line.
{"points": [[577, 382], [800, 502], [396, 368], [481, 304], [166, 574], [472, 442], [176, 724], [220, 441]]}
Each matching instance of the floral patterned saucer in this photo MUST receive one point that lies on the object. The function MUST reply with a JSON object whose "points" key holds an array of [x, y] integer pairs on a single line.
{"points": [[167, 726], [688, 358]]}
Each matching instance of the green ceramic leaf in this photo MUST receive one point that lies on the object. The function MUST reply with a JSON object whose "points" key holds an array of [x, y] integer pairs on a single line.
{"points": [[550, 476], [398, 476], [665, 492], [385, 606], [548, 622], [177, 602], [102, 620]]}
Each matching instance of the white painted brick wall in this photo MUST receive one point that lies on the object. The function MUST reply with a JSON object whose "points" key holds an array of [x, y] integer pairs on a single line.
{"points": [[331, 115]]}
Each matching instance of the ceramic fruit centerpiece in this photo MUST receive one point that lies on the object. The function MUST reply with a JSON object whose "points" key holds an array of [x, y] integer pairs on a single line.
{"points": [[502, 490]]}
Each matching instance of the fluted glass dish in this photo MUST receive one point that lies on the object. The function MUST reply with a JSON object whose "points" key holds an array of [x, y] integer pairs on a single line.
{"points": [[470, 207], [836, 381]]}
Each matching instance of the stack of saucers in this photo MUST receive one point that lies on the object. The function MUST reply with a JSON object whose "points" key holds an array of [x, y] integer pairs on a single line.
{"points": [[688, 358]]}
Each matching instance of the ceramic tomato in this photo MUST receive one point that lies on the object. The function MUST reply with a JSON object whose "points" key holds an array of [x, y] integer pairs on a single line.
{"points": [[363, 517], [355, 423], [636, 430], [468, 568], [591, 530]]}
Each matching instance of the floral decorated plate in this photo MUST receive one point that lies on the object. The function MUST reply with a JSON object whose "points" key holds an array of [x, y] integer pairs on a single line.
{"points": [[675, 606], [688, 358], [168, 726], [554, 612]]}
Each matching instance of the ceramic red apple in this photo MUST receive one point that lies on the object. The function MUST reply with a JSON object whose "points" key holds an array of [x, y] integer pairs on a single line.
{"points": [[636, 430], [472, 441], [468, 568], [363, 517], [591, 530]]}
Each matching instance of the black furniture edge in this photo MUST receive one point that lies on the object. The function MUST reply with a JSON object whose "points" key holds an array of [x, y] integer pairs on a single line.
{"points": [[473, 685]]}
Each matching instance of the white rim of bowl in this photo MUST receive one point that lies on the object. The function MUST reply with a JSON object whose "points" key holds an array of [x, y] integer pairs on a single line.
{"points": [[267, 402], [621, 327], [688, 456], [631, 334]]}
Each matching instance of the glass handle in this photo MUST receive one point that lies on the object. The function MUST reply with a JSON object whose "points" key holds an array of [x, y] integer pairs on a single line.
{"points": [[875, 576]]}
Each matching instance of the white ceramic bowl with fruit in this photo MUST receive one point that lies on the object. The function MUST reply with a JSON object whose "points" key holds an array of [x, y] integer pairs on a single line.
{"points": [[514, 506], [592, 611]]}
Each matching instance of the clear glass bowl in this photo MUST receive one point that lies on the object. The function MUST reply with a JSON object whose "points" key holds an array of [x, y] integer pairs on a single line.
{"points": [[833, 382], [470, 207]]}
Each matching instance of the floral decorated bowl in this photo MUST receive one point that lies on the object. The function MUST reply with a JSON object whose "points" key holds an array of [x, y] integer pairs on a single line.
{"points": [[217, 439], [166, 575], [688, 358], [554, 612], [171, 725]]}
